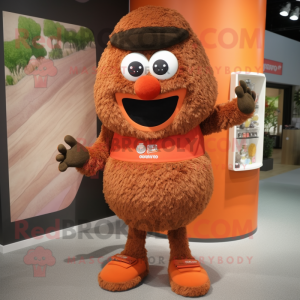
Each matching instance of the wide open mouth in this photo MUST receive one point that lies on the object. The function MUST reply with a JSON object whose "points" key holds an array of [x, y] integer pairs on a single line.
{"points": [[151, 115]]}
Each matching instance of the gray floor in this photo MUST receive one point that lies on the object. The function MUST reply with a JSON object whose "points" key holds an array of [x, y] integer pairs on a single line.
{"points": [[273, 272]]}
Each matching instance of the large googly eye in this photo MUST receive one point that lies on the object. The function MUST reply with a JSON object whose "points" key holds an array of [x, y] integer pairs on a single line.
{"points": [[134, 65], [163, 64]]}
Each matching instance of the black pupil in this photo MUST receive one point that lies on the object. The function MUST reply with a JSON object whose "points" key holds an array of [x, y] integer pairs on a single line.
{"points": [[135, 69], [160, 67]]}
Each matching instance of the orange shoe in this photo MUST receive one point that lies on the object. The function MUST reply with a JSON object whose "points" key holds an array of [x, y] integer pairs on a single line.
{"points": [[188, 278], [122, 273]]}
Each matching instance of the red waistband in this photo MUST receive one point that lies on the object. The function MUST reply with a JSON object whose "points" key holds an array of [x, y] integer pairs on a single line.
{"points": [[172, 148]]}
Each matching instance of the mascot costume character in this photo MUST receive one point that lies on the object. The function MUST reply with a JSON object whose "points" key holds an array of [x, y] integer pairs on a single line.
{"points": [[155, 95]]}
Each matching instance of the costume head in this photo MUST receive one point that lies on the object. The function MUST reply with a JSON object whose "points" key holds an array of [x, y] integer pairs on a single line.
{"points": [[154, 79]]}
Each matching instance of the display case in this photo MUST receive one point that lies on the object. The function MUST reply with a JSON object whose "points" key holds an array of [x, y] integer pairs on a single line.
{"points": [[246, 140]]}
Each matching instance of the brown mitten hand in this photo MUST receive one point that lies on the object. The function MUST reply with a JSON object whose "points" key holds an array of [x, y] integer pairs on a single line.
{"points": [[245, 99], [76, 156]]}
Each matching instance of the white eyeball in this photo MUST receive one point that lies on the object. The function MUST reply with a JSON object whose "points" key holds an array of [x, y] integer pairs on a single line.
{"points": [[163, 64], [134, 65]]}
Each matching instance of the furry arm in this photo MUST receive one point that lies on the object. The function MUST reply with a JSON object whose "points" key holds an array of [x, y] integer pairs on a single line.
{"points": [[99, 152], [224, 116]]}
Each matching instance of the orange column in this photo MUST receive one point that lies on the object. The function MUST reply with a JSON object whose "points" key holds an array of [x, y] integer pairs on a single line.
{"points": [[232, 33]]}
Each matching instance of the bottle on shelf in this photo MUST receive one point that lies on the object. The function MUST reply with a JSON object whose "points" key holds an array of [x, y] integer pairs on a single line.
{"points": [[251, 86]]}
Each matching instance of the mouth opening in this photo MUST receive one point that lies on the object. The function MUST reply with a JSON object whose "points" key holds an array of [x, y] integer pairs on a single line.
{"points": [[150, 113]]}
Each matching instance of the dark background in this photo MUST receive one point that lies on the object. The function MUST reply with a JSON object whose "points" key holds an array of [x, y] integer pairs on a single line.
{"points": [[89, 203], [279, 24]]}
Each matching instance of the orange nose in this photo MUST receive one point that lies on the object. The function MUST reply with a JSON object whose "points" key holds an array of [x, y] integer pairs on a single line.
{"points": [[147, 87]]}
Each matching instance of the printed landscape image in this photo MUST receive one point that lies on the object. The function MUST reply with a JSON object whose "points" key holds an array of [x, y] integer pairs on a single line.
{"points": [[49, 77]]}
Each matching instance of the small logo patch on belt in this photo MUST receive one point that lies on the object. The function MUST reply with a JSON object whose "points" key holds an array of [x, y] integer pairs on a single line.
{"points": [[140, 149], [152, 148]]}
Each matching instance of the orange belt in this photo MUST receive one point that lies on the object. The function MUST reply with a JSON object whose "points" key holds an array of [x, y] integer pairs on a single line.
{"points": [[172, 148]]}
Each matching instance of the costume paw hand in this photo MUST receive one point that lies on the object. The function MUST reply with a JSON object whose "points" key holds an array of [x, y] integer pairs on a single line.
{"points": [[246, 98], [76, 156]]}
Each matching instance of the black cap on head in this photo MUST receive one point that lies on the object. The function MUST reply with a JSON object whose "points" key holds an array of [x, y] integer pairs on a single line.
{"points": [[148, 38]]}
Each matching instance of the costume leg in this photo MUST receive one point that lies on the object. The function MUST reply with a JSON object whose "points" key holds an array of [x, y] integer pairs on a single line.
{"points": [[135, 244], [127, 269], [179, 244], [186, 275]]}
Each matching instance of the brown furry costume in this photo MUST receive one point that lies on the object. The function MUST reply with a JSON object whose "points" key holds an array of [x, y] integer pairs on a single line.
{"points": [[157, 196]]}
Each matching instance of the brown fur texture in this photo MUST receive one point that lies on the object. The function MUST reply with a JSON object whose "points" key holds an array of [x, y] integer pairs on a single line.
{"points": [[195, 74], [223, 117], [179, 244], [99, 153], [158, 196], [135, 245]]}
